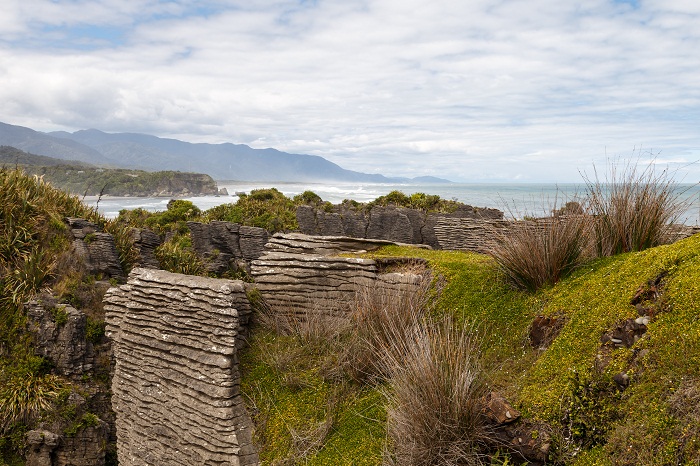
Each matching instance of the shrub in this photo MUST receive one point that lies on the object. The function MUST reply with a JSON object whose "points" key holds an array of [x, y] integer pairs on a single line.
{"points": [[422, 201], [308, 197], [539, 253], [632, 208], [176, 255], [264, 208], [179, 211], [436, 387]]}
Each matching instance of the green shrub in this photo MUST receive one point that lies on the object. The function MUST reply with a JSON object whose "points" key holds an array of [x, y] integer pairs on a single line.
{"points": [[176, 255], [264, 208], [421, 201], [179, 211], [59, 314], [86, 420], [94, 330]]}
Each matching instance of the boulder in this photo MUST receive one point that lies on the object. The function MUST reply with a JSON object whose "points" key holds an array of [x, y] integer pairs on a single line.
{"points": [[301, 274], [146, 242], [40, 445], [221, 244]]}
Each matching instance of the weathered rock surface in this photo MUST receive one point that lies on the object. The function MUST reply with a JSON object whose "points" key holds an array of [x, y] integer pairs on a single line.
{"points": [[85, 448], [525, 439], [59, 335], [176, 381], [146, 242], [95, 248], [397, 224], [469, 234], [220, 244], [299, 274], [40, 444]]}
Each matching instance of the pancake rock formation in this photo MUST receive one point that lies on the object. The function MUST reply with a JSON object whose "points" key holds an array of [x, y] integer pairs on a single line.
{"points": [[176, 385]]}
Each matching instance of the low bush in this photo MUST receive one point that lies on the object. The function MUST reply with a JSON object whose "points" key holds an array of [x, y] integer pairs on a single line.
{"points": [[177, 255], [264, 208], [421, 201]]}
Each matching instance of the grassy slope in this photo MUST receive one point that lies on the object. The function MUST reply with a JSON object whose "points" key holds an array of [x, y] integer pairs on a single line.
{"points": [[643, 428]]}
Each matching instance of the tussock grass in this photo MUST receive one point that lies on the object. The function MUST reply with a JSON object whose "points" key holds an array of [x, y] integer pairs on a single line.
{"points": [[379, 322], [436, 384], [632, 208], [539, 253]]}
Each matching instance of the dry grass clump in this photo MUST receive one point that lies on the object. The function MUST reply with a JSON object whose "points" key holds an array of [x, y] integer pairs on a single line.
{"points": [[632, 209], [539, 253], [432, 379], [436, 387], [379, 322]]}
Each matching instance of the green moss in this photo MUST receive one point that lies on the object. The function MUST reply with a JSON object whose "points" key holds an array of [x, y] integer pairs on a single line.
{"points": [[300, 414]]}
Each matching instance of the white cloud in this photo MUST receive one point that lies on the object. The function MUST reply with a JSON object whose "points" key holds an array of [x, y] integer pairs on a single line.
{"points": [[483, 89]]}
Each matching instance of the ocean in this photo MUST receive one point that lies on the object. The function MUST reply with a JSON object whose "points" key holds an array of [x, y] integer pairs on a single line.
{"points": [[515, 199]]}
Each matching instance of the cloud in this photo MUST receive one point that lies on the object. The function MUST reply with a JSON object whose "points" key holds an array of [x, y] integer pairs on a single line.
{"points": [[479, 90]]}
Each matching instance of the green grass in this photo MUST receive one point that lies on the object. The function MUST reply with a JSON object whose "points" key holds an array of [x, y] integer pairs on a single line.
{"points": [[290, 398], [648, 429]]}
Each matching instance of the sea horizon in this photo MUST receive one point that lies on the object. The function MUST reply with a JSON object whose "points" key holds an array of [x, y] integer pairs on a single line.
{"points": [[516, 200]]}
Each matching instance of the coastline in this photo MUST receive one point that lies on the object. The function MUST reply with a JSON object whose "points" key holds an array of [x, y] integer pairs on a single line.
{"points": [[515, 199]]}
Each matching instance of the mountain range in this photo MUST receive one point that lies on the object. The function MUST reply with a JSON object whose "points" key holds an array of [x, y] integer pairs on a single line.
{"points": [[225, 161]]}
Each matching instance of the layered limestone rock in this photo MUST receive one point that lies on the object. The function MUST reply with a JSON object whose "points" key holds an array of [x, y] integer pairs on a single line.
{"points": [[301, 274], [146, 242], [59, 335], [95, 248], [469, 234], [176, 381], [397, 224], [223, 244]]}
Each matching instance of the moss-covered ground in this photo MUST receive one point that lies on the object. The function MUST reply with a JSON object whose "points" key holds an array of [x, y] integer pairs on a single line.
{"points": [[569, 385]]}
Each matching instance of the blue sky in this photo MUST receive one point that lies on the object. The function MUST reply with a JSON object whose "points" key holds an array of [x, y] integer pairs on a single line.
{"points": [[479, 90]]}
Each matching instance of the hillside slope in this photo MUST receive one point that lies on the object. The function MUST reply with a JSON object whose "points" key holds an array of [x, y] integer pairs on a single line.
{"points": [[565, 383]]}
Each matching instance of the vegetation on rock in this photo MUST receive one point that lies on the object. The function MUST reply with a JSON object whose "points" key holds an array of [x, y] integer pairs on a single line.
{"points": [[35, 255]]}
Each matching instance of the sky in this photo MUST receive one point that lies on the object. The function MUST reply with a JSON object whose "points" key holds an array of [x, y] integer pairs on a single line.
{"points": [[469, 90]]}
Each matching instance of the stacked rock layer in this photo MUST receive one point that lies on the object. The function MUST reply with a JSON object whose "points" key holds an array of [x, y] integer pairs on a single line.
{"points": [[176, 381], [303, 275]]}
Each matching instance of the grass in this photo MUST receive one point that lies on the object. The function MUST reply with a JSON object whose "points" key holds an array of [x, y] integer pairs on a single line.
{"points": [[535, 254], [35, 256], [632, 208], [647, 423], [434, 396], [25, 396]]}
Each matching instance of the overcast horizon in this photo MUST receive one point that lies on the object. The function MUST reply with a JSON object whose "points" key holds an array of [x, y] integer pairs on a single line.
{"points": [[477, 91]]}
